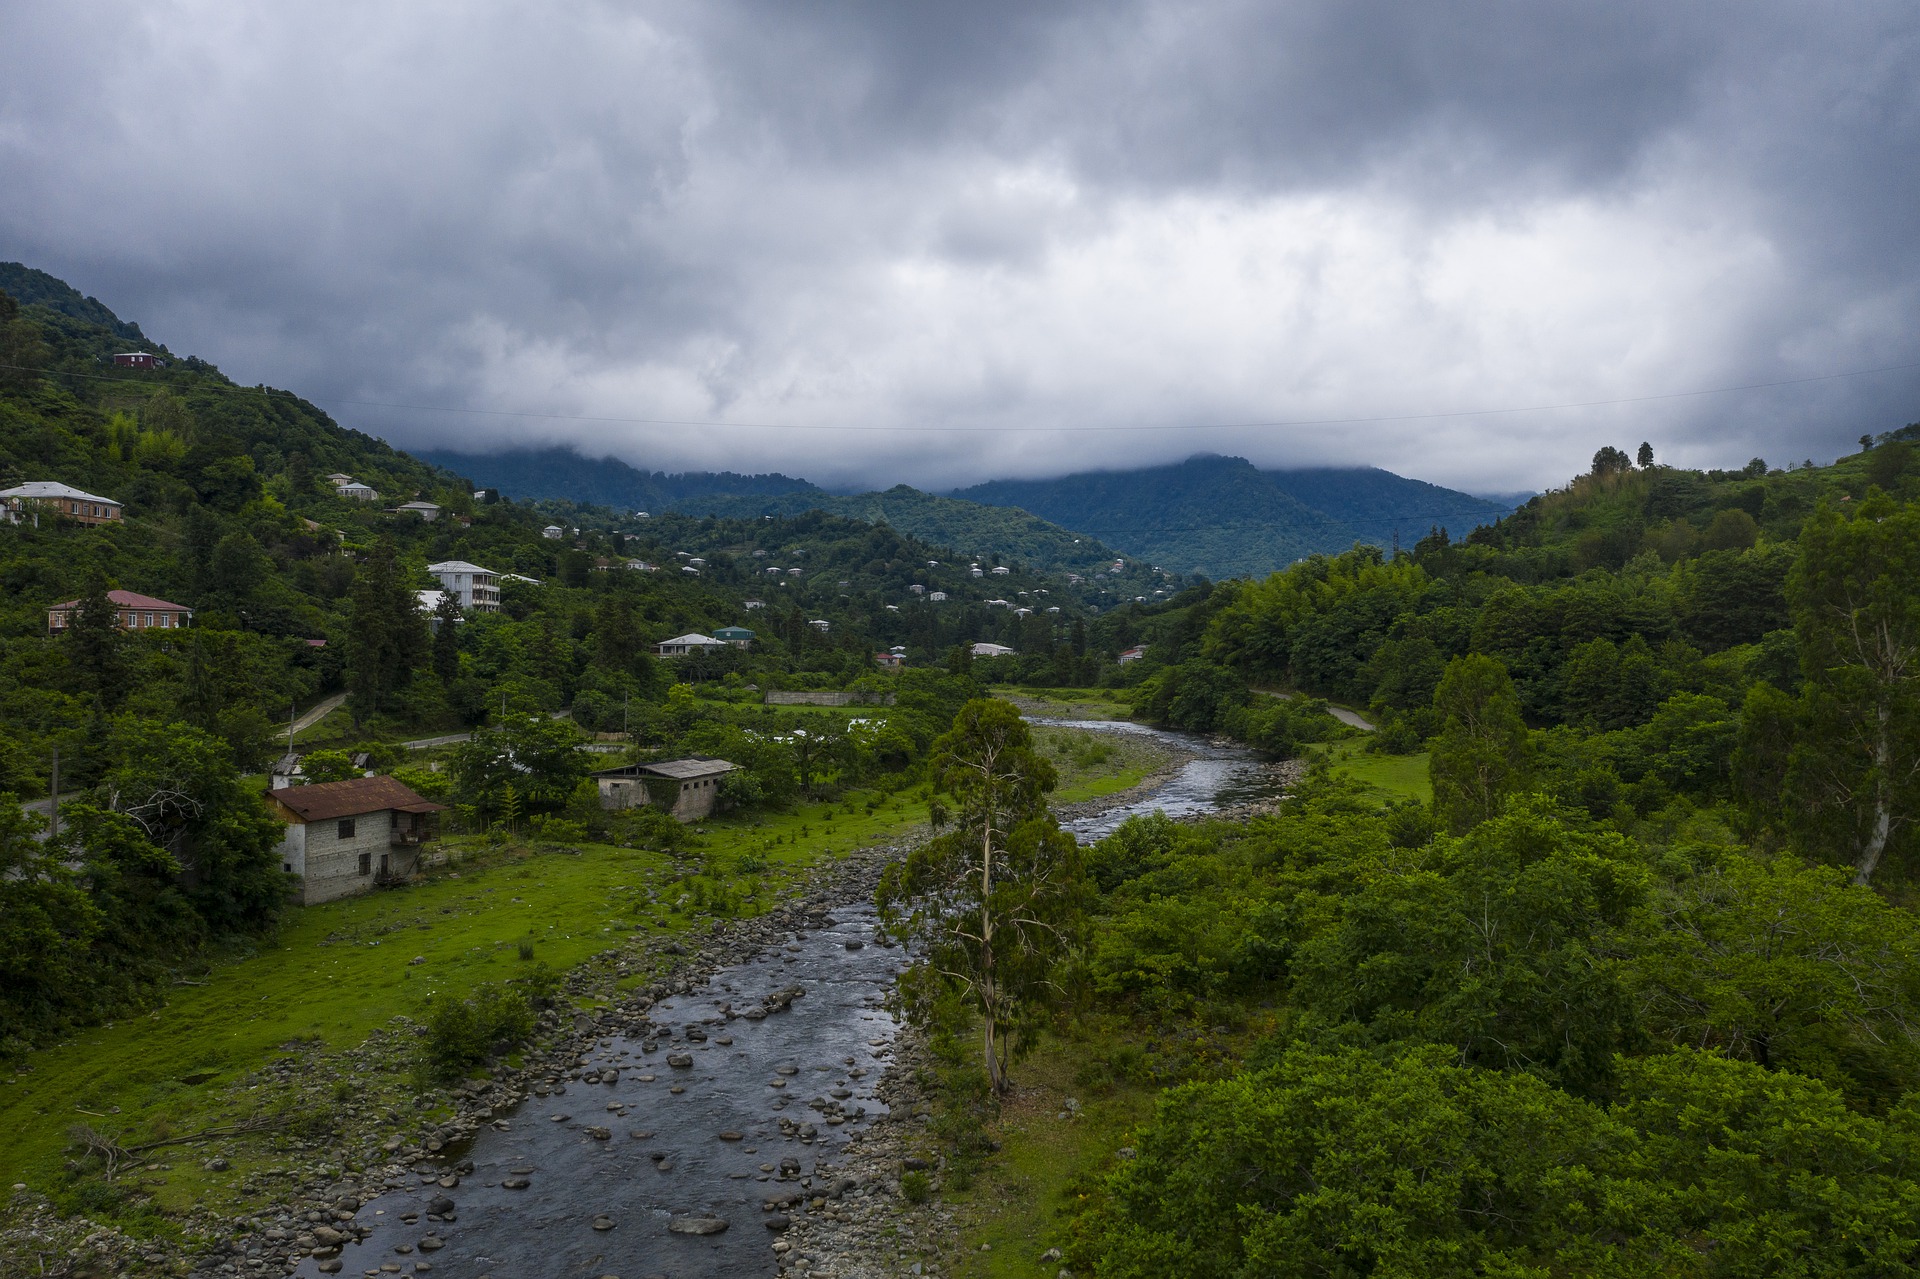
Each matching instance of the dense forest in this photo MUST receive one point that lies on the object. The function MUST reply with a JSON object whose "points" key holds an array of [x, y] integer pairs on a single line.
{"points": [[1638, 992]]}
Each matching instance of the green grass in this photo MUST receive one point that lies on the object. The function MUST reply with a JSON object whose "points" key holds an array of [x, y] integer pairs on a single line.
{"points": [[1066, 703], [341, 970], [1023, 1195], [1093, 764], [1393, 776]]}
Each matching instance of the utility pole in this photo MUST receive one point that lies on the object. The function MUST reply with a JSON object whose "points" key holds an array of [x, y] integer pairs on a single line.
{"points": [[290, 718], [53, 800]]}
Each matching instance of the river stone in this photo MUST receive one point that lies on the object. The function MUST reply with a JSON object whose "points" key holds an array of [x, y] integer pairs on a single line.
{"points": [[603, 1223], [854, 943], [331, 1266], [778, 1222], [693, 1225], [731, 1135], [440, 1205], [515, 1183], [599, 1134], [680, 1061], [432, 1243]]}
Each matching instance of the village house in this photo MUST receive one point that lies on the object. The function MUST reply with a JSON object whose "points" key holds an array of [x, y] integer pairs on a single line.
{"points": [[693, 642], [738, 636], [1133, 654], [428, 511], [131, 612], [345, 837], [138, 360], [38, 496], [890, 661], [992, 650], [938, 597], [348, 487], [685, 788], [753, 604], [477, 589], [553, 532]]}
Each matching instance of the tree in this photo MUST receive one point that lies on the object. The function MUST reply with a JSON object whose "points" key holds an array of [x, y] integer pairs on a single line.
{"points": [[446, 639], [1480, 755], [234, 573], [46, 924], [528, 760], [992, 905], [386, 636], [22, 353], [1854, 777], [97, 644], [200, 697], [1646, 455], [1610, 461]]}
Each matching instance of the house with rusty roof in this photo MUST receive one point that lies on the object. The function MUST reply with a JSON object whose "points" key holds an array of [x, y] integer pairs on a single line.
{"points": [[684, 788], [346, 837]]}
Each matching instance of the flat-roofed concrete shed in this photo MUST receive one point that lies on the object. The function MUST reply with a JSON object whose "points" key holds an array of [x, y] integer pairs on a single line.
{"points": [[684, 788]]}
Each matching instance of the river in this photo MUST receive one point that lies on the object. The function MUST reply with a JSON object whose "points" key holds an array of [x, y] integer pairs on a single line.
{"points": [[585, 1181]]}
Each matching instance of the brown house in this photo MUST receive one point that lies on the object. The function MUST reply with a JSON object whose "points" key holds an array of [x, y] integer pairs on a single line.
{"points": [[345, 837], [131, 612], [37, 497]]}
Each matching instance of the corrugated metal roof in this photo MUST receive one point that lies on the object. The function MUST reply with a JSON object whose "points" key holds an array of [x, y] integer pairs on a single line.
{"points": [[128, 599], [52, 488], [327, 800], [679, 770]]}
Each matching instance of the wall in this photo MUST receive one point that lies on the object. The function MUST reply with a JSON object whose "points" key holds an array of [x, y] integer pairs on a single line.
{"points": [[331, 865]]}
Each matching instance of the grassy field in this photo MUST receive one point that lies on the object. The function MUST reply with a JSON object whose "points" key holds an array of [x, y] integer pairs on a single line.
{"points": [[1393, 776], [1095, 764], [1066, 703], [341, 970]]}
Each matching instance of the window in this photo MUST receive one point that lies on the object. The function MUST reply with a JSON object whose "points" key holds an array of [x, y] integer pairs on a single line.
{"points": [[366, 863], [287, 866], [149, 619], [346, 828]]}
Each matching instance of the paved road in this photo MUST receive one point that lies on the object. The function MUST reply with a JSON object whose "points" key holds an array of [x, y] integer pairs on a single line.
{"points": [[1340, 713], [319, 712]]}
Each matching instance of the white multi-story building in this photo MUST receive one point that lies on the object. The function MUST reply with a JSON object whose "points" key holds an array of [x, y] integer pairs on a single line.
{"points": [[477, 589]]}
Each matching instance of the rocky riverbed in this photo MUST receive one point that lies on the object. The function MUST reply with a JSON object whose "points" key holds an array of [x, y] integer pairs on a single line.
{"points": [[559, 1166]]}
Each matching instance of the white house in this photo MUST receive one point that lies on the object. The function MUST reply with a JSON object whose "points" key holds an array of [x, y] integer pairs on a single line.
{"points": [[428, 511], [345, 837], [347, 486], [753, 604], [553, 532], [938, 597], [693, 642], [992, 650], [1002, 571], [477, 589]]}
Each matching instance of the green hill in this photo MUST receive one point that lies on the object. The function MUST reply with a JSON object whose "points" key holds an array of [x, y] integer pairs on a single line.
{"points": [[563, 474], [1224, 517], [965, 528]]}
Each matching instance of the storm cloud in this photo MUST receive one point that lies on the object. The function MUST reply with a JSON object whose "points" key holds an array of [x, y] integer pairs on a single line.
{"points": [[888, 242]]}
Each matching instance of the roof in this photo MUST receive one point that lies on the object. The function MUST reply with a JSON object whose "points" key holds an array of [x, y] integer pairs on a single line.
{"points": [[51, 488], [129, 599], [733, 632], [691, 638], [417, 506], [680, 770], [327, 800], [457, 566]]}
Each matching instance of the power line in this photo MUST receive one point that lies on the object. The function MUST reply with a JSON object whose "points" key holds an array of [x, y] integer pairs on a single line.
{"points": [[1376, 419]]}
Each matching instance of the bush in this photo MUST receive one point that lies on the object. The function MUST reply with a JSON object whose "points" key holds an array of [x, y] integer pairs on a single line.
{"points": [[916, 1187], [462, 1033]]}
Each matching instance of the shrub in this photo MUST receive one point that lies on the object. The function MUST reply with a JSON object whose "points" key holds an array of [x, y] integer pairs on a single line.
{"points": [[916, 1187], [462, 1033]]}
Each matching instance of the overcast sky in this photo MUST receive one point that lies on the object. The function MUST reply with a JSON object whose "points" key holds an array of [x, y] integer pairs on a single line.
{"points": [[982, 240]]}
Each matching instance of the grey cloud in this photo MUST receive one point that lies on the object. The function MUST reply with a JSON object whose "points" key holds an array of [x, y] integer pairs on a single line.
{"points": [[992, 215]]}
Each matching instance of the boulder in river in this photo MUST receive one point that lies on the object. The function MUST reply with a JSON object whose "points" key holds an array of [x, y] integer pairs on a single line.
{"points": [[692, 1224], [680, 1061]]}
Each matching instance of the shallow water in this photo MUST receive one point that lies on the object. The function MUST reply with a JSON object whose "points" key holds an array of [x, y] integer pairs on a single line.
{"points": [[546, 1230], [682, 1165], [1219, 776]]}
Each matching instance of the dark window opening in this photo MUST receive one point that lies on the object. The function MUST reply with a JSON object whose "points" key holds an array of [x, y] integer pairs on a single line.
{"points": [[366, 863], [346, 828]]}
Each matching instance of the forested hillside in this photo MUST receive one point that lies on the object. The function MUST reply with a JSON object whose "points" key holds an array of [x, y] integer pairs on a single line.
{"points": [[563, 474], [1223, 517]]}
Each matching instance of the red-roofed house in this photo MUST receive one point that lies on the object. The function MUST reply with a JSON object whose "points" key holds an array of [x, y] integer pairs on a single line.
{"points": [[344, 837], [131, 612]]}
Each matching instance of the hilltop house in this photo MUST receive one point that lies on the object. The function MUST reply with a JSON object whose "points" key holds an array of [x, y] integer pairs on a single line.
{"points": [[738, 636], [753, 604], [685, 788], [693, 642], [553, 532], [345, 837], [138, 360], [131, 612], [992, 650], [54, 498], [890, 661], [1133, 654], [347, 486], [428, 511], [476, 588]]}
